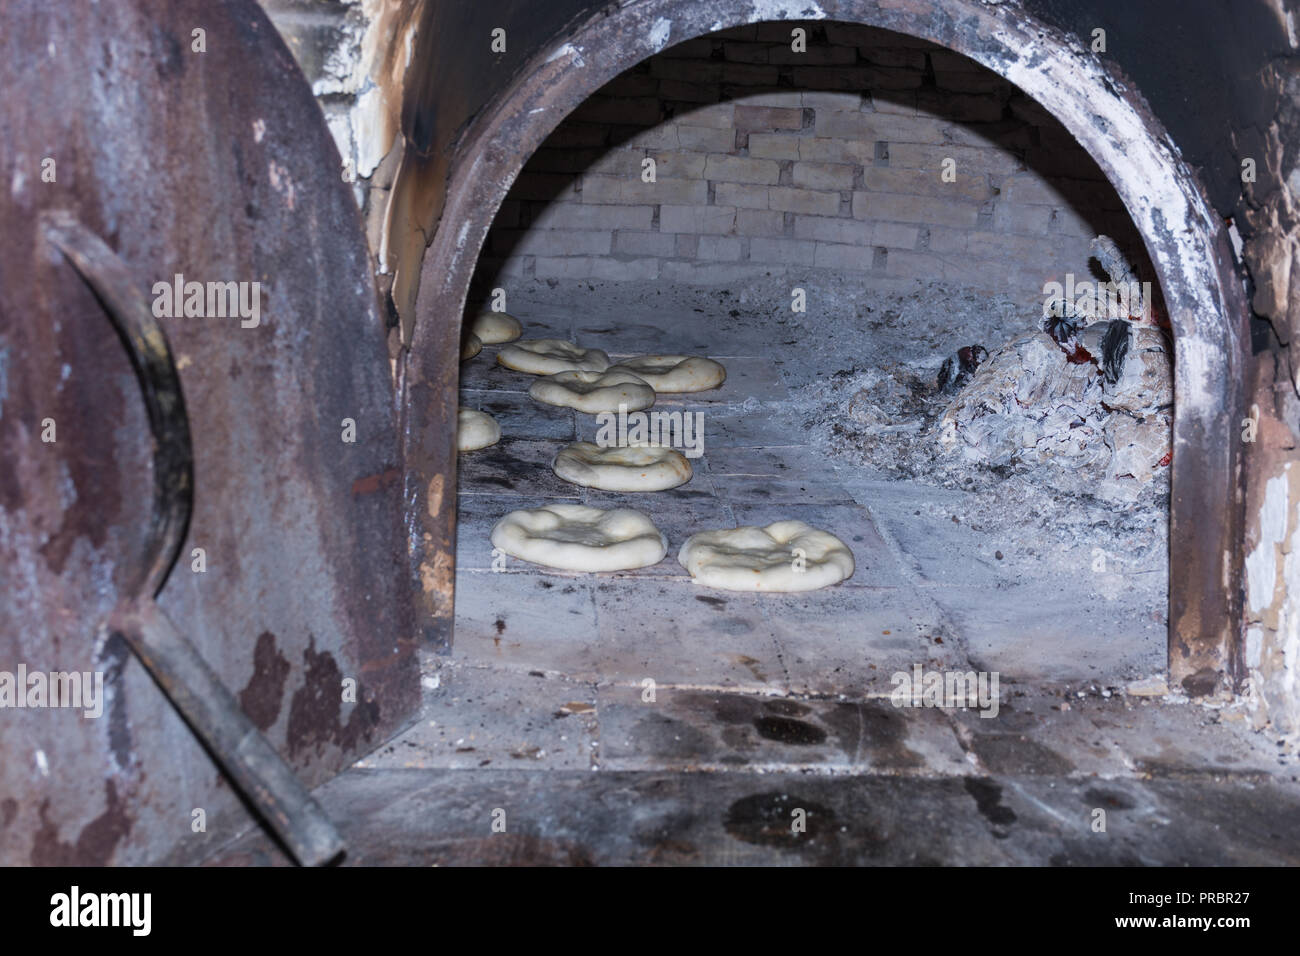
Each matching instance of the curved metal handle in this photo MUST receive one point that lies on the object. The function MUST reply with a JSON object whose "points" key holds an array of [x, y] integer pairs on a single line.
{"points": [[160, 385], [174, 663]]}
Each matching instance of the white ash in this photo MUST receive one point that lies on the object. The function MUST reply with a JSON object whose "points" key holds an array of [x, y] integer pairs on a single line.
{"points": [[872, 403], [862, 365]]}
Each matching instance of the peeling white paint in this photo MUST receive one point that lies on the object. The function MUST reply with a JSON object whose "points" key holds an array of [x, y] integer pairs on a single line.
{"points": [[1237, 244], [370, 130], [1288, 624], [659, 33], [1254, 646], [1291, 658], [779, 10], [1192, 368], [568, 50], [1261, 564]]}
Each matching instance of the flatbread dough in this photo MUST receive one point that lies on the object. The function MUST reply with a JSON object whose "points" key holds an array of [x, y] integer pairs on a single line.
{"points": [[495, 328], [580, 538], [676, 373], [475, 430], [548, 356], [765, 559], [622, 469], [594, 392], [470, 347]]}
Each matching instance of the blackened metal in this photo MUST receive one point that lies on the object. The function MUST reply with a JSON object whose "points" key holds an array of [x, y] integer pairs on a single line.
{"points": [[217, 166], [260, 774], [189, 683], [160, 386]]}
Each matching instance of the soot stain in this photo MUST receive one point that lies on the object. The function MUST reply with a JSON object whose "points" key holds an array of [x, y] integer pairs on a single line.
{"points": [[988, 800], [786, 708], [788, 730], [874, 730], [767, 819], [1109, 799], [728, 708], [1018, 755], [736, 736]]}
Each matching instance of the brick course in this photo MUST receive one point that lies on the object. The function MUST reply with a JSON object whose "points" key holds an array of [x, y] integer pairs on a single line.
{"points": [[770, 160]]}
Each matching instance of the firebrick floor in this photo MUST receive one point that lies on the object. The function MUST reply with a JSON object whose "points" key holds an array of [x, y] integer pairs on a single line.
{"points": [[637, 718]]}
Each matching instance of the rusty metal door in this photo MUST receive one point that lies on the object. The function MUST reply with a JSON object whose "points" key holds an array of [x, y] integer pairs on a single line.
{"points": [[182, 133]]}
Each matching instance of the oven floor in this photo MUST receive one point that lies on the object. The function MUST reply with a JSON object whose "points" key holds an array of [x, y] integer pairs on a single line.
{"points": [[586, 772], [638, 718], [935, 583]]}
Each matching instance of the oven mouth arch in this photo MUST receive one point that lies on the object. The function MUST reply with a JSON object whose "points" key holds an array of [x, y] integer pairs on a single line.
{"points": [[1186, 242]]}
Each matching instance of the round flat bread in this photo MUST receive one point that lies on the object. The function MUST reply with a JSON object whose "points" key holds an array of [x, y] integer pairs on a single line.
{"points": [[593, 392], [494, 328], [622, 469], [784, 556], [548, 356], [579, 538], [676, 373], [470, 347], [475, 430]]}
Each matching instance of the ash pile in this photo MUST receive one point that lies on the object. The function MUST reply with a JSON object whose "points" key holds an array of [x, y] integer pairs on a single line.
{"points": [[1083, 404], [1092, 391]]}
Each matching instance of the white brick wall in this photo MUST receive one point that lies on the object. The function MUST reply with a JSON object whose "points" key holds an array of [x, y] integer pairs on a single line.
{"points": [[768, 160]]}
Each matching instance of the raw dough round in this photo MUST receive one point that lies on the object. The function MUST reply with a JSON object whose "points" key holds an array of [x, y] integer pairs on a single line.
{"points": [[622, 469], [593, 392], [494, 328], [548, 356], [676, 373], [475, 430], [579, 538], [764, 559], [470, 347]]}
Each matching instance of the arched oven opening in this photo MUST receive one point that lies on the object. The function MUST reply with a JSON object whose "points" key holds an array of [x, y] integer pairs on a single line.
{"points": [[943, 340]]}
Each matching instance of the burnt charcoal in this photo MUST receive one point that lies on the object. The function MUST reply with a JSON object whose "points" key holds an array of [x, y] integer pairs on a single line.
{"points": [[971, 356], [957, 369], [1061, 329], [1114, 349], [1064, 332]]}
